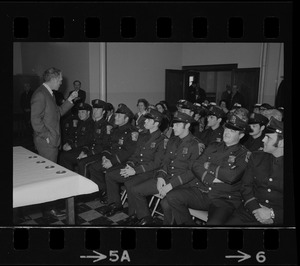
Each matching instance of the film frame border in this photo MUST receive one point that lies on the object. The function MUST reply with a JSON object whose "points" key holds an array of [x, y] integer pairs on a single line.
{"points": [[180, 28]]}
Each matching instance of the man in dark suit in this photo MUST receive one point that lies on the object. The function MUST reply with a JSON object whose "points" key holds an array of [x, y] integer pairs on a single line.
{"points": [[81, 95], [45, 116]]}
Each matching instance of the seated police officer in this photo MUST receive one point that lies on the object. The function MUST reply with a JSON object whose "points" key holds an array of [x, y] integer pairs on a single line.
{"points": [[218, 171], [214, 129], [181, 150], [79, 137], [91, 152], [253, 141], [262, 183], [139, 167], [121, 145]]}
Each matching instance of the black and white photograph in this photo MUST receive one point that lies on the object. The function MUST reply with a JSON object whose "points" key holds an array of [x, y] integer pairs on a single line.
{"points": [[148, 134]]}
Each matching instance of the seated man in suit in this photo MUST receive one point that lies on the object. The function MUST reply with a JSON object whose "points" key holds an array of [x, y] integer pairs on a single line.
{"points": [[81, 95]]}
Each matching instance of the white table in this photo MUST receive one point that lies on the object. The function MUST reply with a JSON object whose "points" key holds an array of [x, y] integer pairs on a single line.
{"points": [[38, 180]]}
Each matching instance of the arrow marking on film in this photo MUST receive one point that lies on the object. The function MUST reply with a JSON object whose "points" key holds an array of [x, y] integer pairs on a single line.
{"points": [[98, 257], [242, 257]]}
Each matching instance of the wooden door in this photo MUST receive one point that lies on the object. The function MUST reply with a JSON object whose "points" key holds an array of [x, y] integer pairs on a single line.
{"points": [[247, 80], [174, 90]]}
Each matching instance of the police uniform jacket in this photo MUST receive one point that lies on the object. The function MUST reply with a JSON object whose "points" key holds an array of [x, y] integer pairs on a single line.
{"points": [[176, 165], [121, 145], [254, 144], [148, 153], [209, 135], [98, 139], [263, 183], [82, 134], [69, 126], [226, 164]]}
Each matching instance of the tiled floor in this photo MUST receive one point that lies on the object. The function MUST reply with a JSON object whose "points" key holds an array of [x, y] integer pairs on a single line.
{"points": [[86, 213]]}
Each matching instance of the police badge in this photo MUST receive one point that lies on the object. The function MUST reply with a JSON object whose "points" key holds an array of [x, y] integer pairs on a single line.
{"points": [[134, 136], [231, 159], [121, 141], [108, 129], [185, 151], [98, 131]]}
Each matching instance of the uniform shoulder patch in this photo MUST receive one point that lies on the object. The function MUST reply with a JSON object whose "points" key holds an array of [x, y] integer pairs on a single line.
{"points": [[201, 147]]}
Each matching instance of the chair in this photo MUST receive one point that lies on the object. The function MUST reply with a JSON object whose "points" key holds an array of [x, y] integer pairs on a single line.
{"points": [[158, 198], [199, 214]]}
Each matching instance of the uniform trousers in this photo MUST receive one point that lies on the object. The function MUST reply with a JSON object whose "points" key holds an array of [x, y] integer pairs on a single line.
{"points": [[139, 194], [114, 179], [46, 150], [85, 163], [219, 209], [97, 174], [49, 152], [68, 159]]}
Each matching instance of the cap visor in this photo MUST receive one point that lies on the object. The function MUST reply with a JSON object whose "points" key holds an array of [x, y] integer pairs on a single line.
{"points": [[269, 130], [230, 126], [149, 116]]}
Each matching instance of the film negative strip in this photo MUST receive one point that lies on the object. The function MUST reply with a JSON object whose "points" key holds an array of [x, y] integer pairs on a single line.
{"points": [[217, 24]]}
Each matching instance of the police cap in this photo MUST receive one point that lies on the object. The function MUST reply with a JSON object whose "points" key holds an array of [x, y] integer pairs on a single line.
{"points": [[216, 111], [84, 106], [154, 114], [180, 117], [236, 123], [258, 119], [123, 109], [274, 126], [98, 103]]}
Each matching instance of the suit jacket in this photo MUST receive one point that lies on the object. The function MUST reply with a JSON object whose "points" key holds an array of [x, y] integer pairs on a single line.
{"points": [[81, 96], [45, 115]]}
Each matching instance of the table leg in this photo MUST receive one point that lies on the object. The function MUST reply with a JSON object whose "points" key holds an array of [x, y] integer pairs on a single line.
{"points": [[70, 210]]}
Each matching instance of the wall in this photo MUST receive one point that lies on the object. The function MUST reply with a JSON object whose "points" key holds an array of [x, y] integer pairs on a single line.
{"points": [[137, 70], [274, 70], [71, 58], [246, 55]]}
